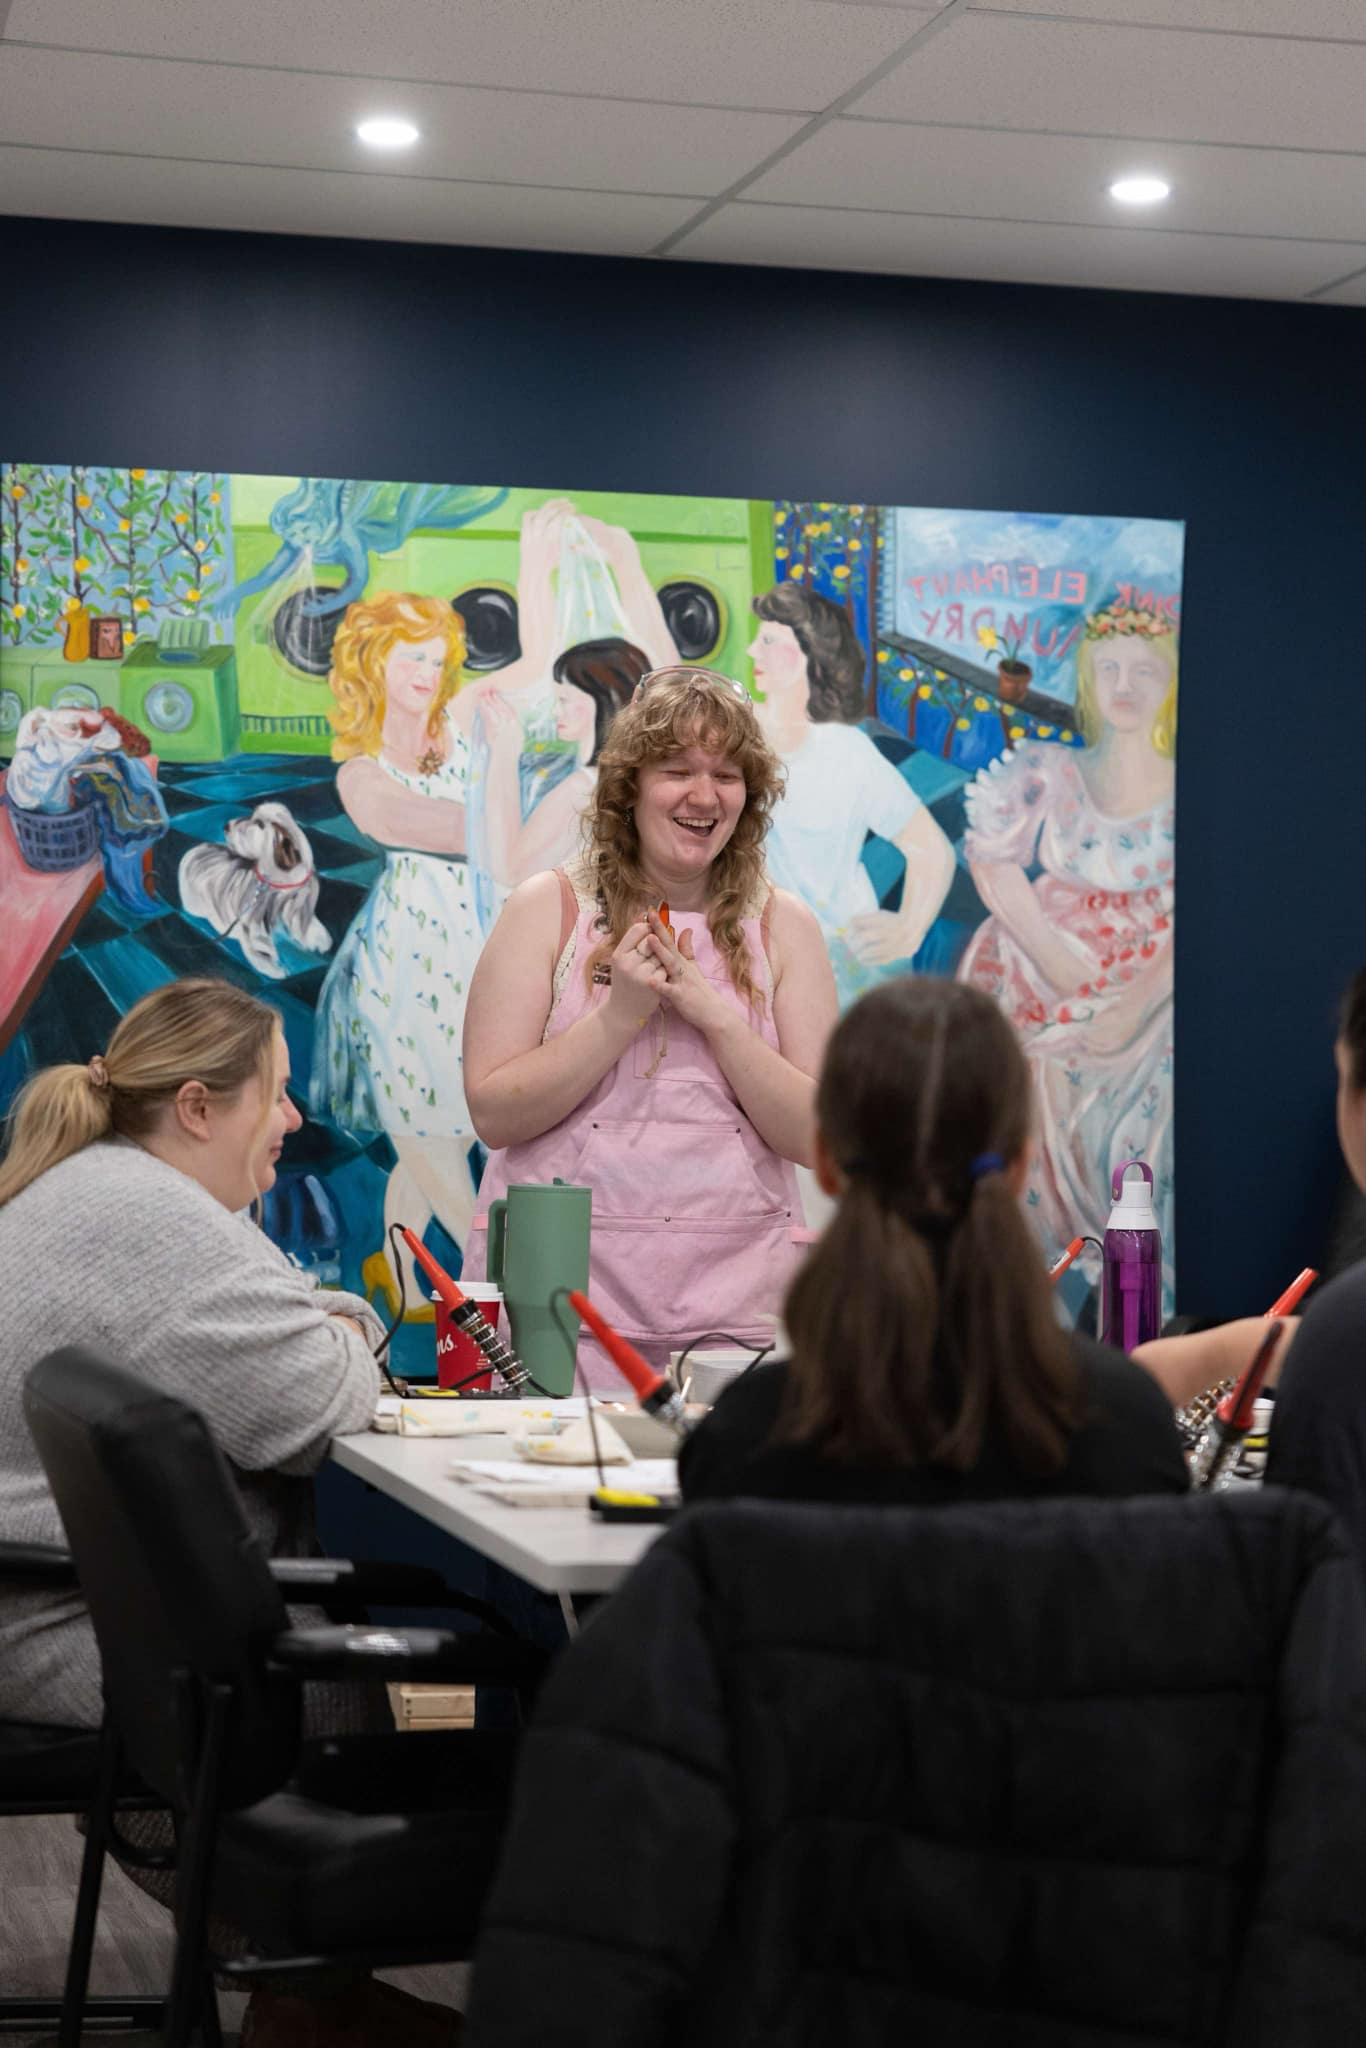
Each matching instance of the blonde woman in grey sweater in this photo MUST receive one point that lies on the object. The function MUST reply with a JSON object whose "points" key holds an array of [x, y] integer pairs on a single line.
{"points": [[122, 1226]]}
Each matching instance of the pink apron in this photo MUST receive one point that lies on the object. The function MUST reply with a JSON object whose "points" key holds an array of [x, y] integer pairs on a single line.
{"points": [[696, 1221]]}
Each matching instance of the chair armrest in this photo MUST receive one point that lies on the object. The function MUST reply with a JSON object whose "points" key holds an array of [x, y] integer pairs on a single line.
{"points": [[344, 1587], [404, 1653], [42, 1564]]}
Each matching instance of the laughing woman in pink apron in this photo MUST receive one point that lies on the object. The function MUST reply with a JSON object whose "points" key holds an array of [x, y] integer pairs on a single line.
{"points": [[669, 1066]]}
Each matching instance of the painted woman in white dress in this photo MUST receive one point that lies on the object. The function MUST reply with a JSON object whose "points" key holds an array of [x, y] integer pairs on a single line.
{"points": [[391, 1011], [1072, 851], [808, 672]]}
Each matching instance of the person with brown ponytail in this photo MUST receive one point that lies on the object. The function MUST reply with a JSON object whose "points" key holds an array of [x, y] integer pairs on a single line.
{"points": [[927, 1362], [120, 1227]]}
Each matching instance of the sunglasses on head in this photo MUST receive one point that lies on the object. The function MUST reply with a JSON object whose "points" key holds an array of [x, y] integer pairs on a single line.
{"points": [[684, 669]]}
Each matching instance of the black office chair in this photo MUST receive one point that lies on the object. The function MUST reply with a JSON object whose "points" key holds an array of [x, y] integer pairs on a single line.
{"points": [[370, 1850], [56, 1770]]}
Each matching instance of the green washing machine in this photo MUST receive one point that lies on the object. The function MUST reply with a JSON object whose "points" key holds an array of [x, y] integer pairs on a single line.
{"points": [[63, 685], [187, 707], [16, 697]]}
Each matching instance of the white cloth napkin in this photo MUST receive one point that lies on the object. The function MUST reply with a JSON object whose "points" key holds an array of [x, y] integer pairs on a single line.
{"points": [[571, 1444]]}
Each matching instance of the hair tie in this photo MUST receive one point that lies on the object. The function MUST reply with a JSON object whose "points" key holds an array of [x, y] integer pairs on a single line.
{"points": [[98, 1071], [985, 1163]]}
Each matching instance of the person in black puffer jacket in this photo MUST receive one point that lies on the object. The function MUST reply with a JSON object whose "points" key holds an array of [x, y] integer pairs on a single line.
{"points": [[1056, 1774]]}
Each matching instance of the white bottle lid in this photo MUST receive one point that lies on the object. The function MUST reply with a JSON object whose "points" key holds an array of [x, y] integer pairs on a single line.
{"points": [[1134, 1209]]}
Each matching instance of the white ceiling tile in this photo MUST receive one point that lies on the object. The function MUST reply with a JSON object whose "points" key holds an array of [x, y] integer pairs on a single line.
{"points": [[120, 104], [607, 124], [1001, 72], [1133, 259], [793, 54], [1351, 292], [995, 176], [1343, 18], [70, 187]]}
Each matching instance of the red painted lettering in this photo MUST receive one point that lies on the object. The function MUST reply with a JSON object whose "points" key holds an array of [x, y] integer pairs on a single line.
{"points": [[1027, 577], [953, 622]]}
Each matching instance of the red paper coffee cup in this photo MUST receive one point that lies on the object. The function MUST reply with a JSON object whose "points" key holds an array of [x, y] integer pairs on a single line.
{"points": [[457, 1356]]}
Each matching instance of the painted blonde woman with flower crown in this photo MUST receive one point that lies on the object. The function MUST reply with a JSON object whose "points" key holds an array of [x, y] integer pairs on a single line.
{"points": [[1072, 852], [391, 1011]]}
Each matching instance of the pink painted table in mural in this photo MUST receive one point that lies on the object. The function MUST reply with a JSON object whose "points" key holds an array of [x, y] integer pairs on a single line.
{"points": [[40, 914]]}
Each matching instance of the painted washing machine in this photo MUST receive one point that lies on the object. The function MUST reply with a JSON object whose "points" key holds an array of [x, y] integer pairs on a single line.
{"points": [[186, 704], [697, 552], [33, 676], [16, 698], [61, 685]]}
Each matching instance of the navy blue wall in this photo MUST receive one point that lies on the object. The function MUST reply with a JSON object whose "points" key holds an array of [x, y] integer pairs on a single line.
{"points": [[210, 351]]}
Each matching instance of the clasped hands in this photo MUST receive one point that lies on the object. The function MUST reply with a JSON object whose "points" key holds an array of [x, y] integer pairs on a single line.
{"points": [[651, 967]]}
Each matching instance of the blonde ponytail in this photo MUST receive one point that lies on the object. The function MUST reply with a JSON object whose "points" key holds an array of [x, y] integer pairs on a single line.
{"points": [[56, 1113], [193, 1030]]}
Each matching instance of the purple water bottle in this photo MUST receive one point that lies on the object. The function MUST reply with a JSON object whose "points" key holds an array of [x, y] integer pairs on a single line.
{"points": [[1131, 1311]]}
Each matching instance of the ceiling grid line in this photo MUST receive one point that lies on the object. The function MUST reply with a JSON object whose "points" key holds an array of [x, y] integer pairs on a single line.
{"points": [[377, 78], [1103, 135], [1166, 28], [935, 26]]}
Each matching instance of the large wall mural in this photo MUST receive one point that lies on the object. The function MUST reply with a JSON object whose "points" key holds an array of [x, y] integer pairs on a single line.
{"points": [[308, 733]]}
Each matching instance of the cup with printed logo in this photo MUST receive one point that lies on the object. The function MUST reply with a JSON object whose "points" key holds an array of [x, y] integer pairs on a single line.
{"points": [[457, 1356]]}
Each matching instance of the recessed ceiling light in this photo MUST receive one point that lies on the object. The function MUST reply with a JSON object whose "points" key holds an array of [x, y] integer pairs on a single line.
{"points": [[1140, 191], [385, 132]]}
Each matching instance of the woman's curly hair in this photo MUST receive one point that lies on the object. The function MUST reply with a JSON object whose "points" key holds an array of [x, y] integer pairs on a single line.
{"points": [[685, 707], [366, 637]]}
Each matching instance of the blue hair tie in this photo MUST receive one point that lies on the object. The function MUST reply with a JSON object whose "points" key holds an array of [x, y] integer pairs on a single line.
{"points": [[986, 1162]]}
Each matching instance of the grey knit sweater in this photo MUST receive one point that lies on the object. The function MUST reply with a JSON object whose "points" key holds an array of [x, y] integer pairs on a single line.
{"points": [[117, 1250]]}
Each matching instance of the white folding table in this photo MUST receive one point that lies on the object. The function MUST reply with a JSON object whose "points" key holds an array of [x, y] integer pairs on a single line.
{"points": [[565, 1551]]}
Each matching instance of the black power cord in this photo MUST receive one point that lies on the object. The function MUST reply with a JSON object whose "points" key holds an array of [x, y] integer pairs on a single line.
{"points": [[760, 1351]]}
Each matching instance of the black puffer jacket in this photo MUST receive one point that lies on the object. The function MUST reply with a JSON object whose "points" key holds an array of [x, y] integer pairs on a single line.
{"points": [[1083, 1774]]}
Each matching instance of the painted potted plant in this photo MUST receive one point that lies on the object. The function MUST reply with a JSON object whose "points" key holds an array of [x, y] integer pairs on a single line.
{"points": [[1013, 675]]}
